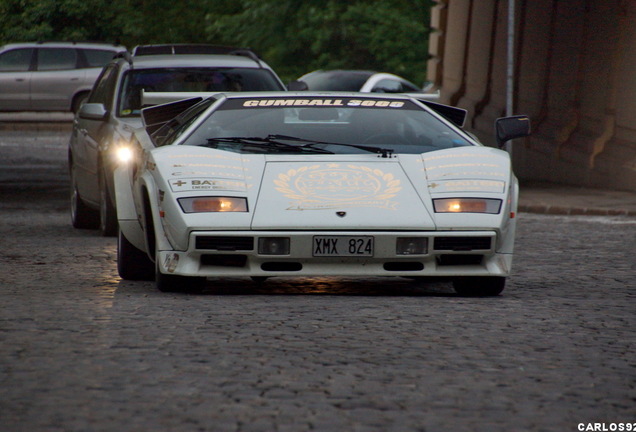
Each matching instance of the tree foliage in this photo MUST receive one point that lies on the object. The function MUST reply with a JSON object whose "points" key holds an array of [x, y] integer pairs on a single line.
{"points": [[293, 36]]}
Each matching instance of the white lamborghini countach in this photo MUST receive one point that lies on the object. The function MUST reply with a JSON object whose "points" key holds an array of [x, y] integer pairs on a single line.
{"points": [[315, 184]]}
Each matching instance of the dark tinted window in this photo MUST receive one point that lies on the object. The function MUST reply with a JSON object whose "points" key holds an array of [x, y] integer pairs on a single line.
{"points": [[98, 58], [395, 86], [387, 86], [336, 81], [17, 60], [190, 80], [56, 59], [408, 87], [104, 89]]}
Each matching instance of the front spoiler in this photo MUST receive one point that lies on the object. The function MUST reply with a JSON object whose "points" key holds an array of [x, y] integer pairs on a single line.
{"points": [[385, 262]]}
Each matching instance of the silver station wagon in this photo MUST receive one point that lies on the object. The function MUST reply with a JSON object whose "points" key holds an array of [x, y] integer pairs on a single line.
{"points": [[50, 76]]}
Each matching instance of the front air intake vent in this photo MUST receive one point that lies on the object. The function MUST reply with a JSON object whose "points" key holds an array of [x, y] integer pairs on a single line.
{"points": [[461, 244], [225, 243]]}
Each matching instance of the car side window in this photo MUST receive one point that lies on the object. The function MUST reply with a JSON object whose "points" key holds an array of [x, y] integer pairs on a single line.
{"points": [[18, 60], [97, 58], [104, 89], [50, 59], [408, 87], [387, 86]]}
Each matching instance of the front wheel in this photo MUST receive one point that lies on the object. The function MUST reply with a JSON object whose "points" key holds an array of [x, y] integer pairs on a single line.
{"points": [[82, 216], [107, 212], [478, 286], [133, 263]]}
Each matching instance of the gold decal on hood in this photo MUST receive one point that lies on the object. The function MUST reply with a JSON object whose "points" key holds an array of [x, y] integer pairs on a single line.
{"points": [[323, 187]]}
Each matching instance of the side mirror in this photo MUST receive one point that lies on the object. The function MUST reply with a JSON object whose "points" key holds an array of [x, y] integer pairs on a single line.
{"points": [[93, 111], [297, 86], [508, 128]]}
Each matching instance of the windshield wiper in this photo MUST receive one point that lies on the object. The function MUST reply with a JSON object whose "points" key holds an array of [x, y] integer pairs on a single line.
{"points": [[384, 152], [270, 142]]}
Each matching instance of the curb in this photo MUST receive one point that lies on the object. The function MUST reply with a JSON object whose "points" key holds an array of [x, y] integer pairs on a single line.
{"points": [[569, 211], [39, 126], [36, 121]]}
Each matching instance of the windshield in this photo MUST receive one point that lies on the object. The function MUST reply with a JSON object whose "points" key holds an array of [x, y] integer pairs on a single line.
{"points": [[190, 80], [336, 80], [325, 125]]}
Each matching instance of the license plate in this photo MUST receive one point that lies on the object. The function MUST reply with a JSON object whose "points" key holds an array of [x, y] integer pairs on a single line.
{"points": [[343, 246]]}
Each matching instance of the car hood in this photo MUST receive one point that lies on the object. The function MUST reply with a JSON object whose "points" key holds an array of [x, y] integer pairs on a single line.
{"points": [[357, 193], [333, 192]]}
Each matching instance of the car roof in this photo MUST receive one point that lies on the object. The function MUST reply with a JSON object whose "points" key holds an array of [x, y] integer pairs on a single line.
{"points": [[196, 48], [360, 72], [193, 60], [53, 44]]}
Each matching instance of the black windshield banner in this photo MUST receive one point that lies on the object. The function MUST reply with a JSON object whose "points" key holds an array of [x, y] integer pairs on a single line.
{"points": [[317, 102]]}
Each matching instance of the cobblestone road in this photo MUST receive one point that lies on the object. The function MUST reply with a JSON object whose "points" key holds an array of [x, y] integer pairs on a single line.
{"points": [[81, 350]]}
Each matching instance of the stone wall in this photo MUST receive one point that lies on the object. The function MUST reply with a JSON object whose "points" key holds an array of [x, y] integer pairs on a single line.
{"points": [[575, 76]]}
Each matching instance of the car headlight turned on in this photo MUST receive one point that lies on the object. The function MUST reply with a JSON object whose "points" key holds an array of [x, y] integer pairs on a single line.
{"points": [[467, 205], [124, 154], [213, 204]]}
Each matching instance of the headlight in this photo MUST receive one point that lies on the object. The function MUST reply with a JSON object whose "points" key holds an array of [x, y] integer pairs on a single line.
{"points": [[213, 204], [124, 154], [467, 205]]}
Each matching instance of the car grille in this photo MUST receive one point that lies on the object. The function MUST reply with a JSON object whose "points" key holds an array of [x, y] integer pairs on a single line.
{"points": [[461, 243], [225, 243]]}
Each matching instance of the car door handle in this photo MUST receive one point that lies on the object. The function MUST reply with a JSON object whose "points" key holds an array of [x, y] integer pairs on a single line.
{"points": [[20, 79]]}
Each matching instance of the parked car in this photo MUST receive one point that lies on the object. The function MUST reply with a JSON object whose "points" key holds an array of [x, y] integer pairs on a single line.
{"points": [[357, 80], [113, 110], [50, 76], [315, 184]]}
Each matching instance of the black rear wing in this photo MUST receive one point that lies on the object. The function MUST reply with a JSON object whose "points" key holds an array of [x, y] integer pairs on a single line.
{"points": [[155, 117], [455, 115]]}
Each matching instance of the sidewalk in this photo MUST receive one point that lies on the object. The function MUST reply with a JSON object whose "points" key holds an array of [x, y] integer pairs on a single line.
{"points": [[549, 198]]}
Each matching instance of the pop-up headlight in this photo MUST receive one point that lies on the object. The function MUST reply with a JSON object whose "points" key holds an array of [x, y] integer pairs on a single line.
{"points": [[467, 205], [213, 204]]}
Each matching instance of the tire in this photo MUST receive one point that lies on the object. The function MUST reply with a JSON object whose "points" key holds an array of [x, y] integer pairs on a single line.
{"points": [[175, 283], [133, 263], [82, 216], [488, 286], [107, 213]]}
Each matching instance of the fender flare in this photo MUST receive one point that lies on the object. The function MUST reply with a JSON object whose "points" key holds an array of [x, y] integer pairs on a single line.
{"points": [[125, 205]]}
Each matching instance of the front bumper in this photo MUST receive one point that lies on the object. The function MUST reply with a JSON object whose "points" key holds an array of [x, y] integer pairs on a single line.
{"points": [[235, 253]]}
